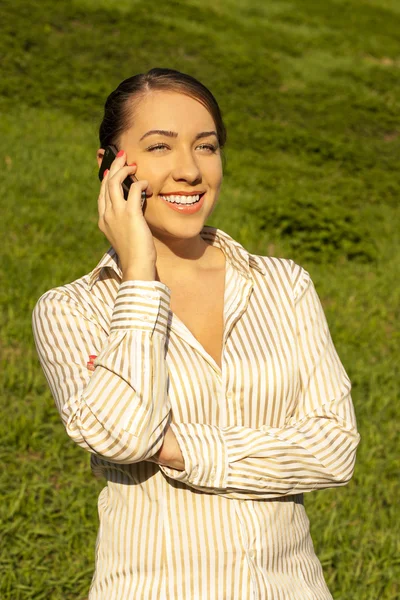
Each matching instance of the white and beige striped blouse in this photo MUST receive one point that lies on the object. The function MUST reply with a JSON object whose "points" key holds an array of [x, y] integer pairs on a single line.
{"points": [[275, 421]]}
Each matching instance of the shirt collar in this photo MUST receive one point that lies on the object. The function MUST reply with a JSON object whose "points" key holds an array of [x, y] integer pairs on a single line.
{"points": [[234, 252], [108, 261]]}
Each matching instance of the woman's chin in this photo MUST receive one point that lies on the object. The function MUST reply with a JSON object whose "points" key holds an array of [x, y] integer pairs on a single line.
{"points": [[178, 226], [173, 231]]}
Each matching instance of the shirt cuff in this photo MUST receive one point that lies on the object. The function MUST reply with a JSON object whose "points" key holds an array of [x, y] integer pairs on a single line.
{"points": [[141, 305], [205, 455]]}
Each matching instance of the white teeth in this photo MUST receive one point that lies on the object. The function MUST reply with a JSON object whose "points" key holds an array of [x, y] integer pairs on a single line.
{"points": [[182, 199]]}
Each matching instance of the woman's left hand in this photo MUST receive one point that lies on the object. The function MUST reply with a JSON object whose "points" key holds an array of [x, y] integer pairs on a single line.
{"points": [[170, 454]]}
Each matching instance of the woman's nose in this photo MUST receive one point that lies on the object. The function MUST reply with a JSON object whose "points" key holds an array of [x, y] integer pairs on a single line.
{"points": [[186, 168]]}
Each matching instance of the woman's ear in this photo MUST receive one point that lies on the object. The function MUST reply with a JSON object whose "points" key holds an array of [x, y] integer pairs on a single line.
{"points": [[100, 154]]}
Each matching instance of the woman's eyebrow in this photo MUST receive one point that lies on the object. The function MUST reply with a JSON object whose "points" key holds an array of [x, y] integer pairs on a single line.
{"points": [[174, 134]]}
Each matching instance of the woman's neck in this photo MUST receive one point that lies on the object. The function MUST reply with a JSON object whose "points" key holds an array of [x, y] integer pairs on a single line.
{"points": [[187, 256]]}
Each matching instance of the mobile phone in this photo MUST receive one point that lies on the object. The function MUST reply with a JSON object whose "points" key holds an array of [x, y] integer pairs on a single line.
{"points": [[110, 153]]}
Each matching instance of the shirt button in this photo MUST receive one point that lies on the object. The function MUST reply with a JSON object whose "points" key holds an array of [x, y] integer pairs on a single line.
{"points": [[229, 395], [213, 471], [252, 554], [145, 318]]}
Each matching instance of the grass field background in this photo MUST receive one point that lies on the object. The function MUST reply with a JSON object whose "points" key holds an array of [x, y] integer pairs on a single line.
{"points": [[310, 95]]}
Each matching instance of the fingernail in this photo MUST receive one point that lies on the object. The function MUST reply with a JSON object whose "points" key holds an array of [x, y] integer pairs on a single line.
{"points": [[105, 173], [132, 165], [120, 153]]}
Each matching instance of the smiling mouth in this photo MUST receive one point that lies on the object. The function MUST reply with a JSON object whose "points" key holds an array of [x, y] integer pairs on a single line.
{"points": [[183, 200]]}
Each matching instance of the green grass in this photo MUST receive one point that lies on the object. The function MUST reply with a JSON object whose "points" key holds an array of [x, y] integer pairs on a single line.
{"points": [[309, 92]]}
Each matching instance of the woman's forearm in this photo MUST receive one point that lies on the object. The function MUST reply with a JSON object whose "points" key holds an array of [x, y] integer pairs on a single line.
{"points": [[121, 410], [169, 454]]}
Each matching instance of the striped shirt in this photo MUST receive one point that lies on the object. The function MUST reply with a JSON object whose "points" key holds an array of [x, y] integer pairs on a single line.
{"points": [[275, 421]]}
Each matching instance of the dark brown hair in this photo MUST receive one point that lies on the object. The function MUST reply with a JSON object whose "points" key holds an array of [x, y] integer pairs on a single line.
{"points": [[120, 103]]}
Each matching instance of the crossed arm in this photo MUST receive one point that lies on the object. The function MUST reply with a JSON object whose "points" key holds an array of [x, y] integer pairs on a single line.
{"points": [[121, 411]]}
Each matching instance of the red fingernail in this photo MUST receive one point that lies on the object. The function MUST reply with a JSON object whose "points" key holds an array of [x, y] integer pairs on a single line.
{"points": [[120, 153], [105, 173], [132, 165], [92, 356]]}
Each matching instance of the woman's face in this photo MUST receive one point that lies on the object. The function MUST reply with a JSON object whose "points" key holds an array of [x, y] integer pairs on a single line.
{"points": [[187, 160]]}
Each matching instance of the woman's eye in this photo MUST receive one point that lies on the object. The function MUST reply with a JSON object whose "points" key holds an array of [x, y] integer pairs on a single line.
{"points": [[208, 146], [156, 147]]}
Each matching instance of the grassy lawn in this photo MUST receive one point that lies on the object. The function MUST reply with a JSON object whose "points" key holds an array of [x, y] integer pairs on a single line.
{"points": [[309, 92]]}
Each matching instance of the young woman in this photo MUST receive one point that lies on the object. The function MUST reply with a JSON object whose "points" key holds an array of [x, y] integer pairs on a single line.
{"points": [[213, 397]]}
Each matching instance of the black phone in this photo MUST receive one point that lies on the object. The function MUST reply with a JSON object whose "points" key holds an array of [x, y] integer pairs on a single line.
{"points": [[110, 153]]}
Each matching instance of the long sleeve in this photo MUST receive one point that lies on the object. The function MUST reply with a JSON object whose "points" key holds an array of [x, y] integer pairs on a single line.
{"points": [[315, 448], [120, 410]]}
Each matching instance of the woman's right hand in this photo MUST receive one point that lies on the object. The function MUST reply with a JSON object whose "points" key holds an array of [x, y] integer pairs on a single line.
{"points": [[123, 223]]}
